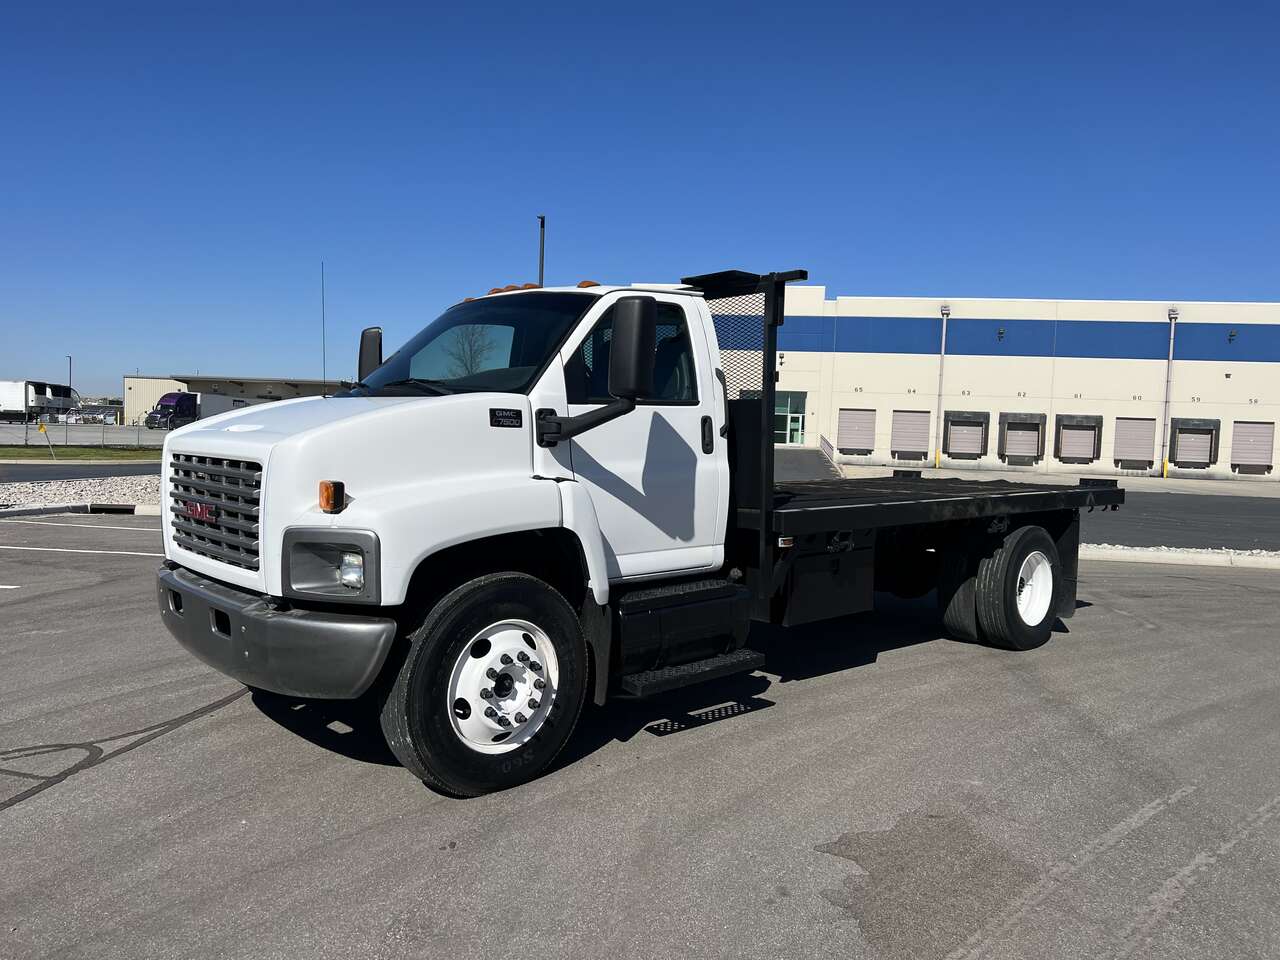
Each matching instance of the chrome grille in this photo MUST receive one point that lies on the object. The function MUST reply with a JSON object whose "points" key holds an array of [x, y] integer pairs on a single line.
{"points": [[215, 507]]}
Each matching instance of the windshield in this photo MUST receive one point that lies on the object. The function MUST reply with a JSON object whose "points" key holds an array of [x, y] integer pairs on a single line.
{"points": [[494, 343]]}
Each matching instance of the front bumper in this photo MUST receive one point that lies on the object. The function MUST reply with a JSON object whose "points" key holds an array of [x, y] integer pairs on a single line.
{"points": [[301, 653]]}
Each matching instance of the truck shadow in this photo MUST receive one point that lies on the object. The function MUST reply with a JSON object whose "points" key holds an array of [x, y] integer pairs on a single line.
{"points": [[351, 728], [791, 654]]}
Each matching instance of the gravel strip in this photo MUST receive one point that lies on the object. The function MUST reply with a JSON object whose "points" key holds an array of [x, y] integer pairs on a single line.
{"points": [[133, 490]]}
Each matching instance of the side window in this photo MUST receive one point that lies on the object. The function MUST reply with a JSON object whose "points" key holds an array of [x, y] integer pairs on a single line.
{"points": [[587, 372]]}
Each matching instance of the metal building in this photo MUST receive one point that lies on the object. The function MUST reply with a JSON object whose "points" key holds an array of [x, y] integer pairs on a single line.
{"points": [[1082, 386], [142, 392]]}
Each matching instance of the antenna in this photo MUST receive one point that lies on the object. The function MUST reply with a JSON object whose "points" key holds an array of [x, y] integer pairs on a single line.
{"points": [[324, 362]]}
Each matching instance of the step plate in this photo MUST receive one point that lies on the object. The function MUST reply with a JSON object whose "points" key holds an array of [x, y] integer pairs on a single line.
{"points": [[652, 682]]}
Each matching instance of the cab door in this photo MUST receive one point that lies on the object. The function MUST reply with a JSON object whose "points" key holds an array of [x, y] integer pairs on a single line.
{"points": [[652, 474]]}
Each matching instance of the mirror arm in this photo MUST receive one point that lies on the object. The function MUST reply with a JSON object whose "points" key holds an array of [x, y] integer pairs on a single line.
{"points": [[551, 429]]}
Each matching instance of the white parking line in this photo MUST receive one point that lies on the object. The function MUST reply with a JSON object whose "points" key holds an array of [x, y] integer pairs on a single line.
{"points": [[83, 526], [5, 586], [112, 553]]}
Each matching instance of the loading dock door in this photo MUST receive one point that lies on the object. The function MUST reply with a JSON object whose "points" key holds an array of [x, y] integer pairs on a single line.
{"points": [[1195, 447], [856, 430], [964, 438], [1022, 440], [1077, 443], [1252, 443], [910, 433], [1135, 439]]}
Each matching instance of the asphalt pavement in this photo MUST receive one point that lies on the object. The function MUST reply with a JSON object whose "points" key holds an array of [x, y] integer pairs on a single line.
{"points": [[1187, 520], [71, 470], [876, 792]]}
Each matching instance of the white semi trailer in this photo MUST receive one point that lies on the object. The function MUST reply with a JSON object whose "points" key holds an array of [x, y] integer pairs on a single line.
{"points": [[34, 399]]}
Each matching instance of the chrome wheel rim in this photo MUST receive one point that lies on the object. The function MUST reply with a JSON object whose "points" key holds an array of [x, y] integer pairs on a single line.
{"points": [[502, 686], [1035, 588]]}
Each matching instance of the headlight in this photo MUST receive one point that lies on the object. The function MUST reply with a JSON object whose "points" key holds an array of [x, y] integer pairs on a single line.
{"points": [[351, 571], [333, 565]]}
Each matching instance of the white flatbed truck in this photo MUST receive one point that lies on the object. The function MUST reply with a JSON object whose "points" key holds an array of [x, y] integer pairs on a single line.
{"points": [[554, 494]]}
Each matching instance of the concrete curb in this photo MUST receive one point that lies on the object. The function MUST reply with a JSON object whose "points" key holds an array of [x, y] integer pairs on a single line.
{"points": [[1186, 557], [137, 509]]}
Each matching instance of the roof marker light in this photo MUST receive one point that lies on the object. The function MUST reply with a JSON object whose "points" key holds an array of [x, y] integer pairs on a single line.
{"points": [[583, 284]]}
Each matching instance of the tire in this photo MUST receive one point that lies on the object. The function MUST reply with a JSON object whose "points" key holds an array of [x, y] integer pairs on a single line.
{"points": [[1017, 590], [420, 715]]}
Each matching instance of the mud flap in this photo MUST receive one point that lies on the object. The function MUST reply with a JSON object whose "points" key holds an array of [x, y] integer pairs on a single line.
{"points": [[956, 595]]}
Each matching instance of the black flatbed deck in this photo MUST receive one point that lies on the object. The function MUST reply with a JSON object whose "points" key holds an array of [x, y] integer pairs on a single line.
{"points": [[812, 506]]}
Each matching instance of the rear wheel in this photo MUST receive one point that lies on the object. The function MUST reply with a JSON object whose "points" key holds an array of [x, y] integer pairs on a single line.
{"points": [[1016, 590], [491, 687]]}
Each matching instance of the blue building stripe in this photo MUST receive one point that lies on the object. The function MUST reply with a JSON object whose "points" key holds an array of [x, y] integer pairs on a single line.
{"points": [[994, 338], [887, 334], [1256, 342], [1086, 339], [1111, 339]]}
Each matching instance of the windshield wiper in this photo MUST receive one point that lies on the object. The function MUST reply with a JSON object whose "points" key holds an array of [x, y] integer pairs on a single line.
{"points": [[435, 385]]}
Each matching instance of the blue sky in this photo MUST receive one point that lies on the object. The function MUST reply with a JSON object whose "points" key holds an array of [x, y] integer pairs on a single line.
{"points": [[172, 175]]}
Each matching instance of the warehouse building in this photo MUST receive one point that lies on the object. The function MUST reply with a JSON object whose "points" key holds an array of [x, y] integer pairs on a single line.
{"points": [[1073, 386], [142, 392]]}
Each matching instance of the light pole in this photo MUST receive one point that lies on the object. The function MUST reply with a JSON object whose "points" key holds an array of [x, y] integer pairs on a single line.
{"points": [[66, 416], [939, 435], [542, 244]]}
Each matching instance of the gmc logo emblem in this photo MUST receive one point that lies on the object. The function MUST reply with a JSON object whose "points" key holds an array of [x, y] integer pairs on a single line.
{"points": [[200, 511]]}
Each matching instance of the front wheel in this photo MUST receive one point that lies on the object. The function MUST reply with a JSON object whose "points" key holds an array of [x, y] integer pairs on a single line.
{"points": [[491, 687]]}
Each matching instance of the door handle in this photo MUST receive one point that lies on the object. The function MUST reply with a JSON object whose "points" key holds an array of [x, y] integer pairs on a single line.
{"points": [[708, 435]]}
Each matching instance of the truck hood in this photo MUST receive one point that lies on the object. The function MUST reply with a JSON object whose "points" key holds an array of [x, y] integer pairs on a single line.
{"points": [[256, 429], [377, 446]]}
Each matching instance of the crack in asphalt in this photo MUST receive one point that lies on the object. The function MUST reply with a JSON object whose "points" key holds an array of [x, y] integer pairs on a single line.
{"points": [[96, 751]]}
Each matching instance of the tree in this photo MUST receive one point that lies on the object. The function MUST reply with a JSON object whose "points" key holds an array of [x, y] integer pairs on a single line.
{"points": [[467, 351]]}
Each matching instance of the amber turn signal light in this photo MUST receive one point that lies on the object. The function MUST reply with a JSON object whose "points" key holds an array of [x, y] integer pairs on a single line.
{"points": [[333, 496]]}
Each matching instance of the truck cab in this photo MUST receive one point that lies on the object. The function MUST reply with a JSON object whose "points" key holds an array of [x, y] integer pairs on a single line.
{"points": [[174, 409], [551, 494]]}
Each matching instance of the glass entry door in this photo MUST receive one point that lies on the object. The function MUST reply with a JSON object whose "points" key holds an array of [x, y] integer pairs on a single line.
{"points": [[788, 416]]}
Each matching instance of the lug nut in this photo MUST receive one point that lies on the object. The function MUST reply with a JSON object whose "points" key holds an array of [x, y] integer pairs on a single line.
{"points": [[539, 683], [535, 666], [486, 694], [534, 704], [506, 659], [491, 673], [522, 657], [504, 722], [490, 712], [521, 718]]}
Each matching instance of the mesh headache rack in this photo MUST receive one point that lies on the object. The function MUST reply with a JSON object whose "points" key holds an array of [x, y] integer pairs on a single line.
{"points": [[215, 507], [746, 310]]}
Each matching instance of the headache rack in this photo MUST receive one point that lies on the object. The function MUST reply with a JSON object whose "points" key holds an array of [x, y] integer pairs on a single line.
{"points": [[746, 310]]}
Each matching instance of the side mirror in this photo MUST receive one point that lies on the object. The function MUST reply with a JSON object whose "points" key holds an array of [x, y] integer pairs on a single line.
{"points": [[370, 351], [631, 356]]}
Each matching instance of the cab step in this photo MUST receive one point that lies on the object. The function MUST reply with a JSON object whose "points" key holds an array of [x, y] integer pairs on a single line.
{"points": [[651, 682]]}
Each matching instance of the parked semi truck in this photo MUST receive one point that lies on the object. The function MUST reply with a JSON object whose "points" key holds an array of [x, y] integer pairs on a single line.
{"points": [[177, 408], [554, 495]]}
